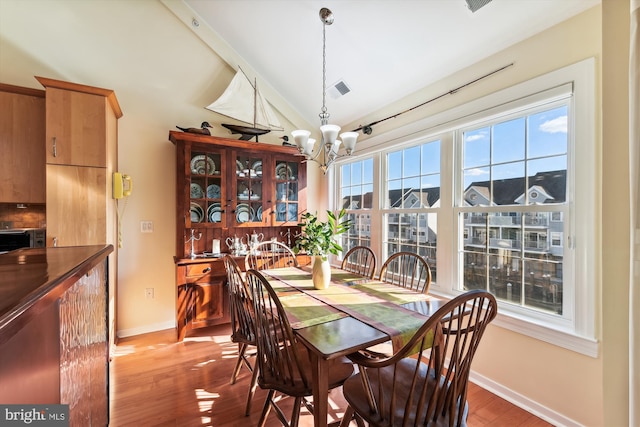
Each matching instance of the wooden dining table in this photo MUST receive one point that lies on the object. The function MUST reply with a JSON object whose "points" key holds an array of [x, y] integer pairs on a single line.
{"points": [[354, 313]]}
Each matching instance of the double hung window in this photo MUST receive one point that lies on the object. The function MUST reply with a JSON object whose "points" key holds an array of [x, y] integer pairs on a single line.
{"points": [[496, 198]]}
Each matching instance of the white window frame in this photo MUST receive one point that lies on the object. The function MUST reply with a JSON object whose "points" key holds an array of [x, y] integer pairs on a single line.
{"points": [[577, 331]]}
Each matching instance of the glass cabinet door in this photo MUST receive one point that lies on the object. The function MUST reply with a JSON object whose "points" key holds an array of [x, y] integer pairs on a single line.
{"points": [[248, 190], [206, 188], [287, 208]]}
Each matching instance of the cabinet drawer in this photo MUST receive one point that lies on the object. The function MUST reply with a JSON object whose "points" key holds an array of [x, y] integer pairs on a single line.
{"points": [[206, 272]]}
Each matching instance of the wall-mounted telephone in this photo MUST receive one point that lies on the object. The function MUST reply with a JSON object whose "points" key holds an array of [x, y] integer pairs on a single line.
{"points": [[122, 185]]}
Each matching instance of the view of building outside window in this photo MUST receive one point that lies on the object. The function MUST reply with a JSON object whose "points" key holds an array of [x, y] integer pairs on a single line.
{"points": [[513, 196], [412, 193], [356, 193], [499, 195]]}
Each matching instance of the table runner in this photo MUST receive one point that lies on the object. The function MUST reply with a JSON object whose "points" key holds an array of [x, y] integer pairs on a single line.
{"points": [[371, 302]]}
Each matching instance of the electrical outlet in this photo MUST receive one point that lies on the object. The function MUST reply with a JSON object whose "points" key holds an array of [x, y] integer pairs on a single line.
{"points": [[148, 293], [146, 226]]}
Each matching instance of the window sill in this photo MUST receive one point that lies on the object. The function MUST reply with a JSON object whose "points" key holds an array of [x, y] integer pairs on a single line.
{"points": [[568, 340], [546, 333]]}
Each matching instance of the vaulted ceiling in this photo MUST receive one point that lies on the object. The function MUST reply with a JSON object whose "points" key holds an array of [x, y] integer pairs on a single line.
{"points": [[383, 50]]}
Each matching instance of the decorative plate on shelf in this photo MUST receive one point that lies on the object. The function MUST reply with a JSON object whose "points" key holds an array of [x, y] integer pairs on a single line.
{"points": [[213, 191], [215, 212], [243, 213], [196, 191], [257, 167], [239, 167], [196, 212], [283, 172], [201, 164], [259, 214]]}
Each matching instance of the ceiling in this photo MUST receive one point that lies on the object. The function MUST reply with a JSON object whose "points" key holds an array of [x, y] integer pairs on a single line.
{"points": [[382, 49]]}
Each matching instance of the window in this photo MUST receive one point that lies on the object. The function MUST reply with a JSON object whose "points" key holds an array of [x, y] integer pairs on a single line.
{"points": [[356, 196], [490, 197], [412, 194], [519, 163]]}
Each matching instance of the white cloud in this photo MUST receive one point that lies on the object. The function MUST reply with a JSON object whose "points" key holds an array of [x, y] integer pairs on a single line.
{"points": [[476, 172], [475, 137], [557, 125]]}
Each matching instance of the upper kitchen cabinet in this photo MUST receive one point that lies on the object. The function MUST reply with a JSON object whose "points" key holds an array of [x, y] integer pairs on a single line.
{"points": [[80, 123], [22, 132]]}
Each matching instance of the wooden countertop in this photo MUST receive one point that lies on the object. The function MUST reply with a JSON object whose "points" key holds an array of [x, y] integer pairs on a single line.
{"points": [[29, 277]]}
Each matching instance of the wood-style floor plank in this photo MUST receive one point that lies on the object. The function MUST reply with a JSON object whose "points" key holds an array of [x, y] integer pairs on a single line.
{"points": [[156, 381]]}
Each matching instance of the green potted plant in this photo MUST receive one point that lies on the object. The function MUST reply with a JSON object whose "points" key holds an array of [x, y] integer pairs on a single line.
{"points": [[318, 239]]}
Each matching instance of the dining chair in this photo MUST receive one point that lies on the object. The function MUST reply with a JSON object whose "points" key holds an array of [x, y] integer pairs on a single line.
{"points": [[407, 269], [425, 382], [270, 254], [242, 324], [360, 260], [284, 364]]}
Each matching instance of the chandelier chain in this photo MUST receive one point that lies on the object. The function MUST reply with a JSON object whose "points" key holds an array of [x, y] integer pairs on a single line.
{"points": [[324, 116]]}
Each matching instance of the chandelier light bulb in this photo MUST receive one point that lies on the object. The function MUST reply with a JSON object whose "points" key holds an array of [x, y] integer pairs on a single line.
{"points": [[329, 134], [300, 137], [308, 148], [349, 140]]}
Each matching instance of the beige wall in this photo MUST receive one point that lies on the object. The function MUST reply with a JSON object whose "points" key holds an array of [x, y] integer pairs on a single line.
{"points": [[176, 73], [616, 230]]}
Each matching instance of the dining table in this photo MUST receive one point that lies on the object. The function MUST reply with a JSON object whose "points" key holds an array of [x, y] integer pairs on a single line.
{"points": [[352, 314]]}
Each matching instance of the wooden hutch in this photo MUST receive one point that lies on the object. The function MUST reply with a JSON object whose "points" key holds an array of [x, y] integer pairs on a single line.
{"points": [[227, 188]]}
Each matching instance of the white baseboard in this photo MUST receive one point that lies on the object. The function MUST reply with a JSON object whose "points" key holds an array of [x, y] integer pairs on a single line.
{"points": [[122, 333], [523, 402]]}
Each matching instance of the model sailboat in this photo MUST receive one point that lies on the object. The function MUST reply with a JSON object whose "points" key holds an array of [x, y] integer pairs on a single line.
{"points": [[243, 102]]}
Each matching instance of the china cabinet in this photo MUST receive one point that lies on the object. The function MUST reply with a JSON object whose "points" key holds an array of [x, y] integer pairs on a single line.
{"points": [[229, 188], [227, 191], [21, 134]]}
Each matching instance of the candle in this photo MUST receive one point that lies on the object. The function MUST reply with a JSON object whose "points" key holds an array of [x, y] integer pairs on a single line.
{"points": [[215, 247]]}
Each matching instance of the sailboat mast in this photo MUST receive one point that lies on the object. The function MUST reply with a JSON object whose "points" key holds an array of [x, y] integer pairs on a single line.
{"points": [[255, 100]]}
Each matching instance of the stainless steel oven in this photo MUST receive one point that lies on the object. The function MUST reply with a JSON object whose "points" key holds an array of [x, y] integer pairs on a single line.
{"points": [[17, 238]]}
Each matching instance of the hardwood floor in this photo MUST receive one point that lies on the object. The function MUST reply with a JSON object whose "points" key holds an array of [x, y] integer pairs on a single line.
{"points": [[155, 381]]}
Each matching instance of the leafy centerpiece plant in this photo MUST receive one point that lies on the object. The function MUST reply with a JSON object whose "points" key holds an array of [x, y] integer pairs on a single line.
{"points": [[318, 239]]}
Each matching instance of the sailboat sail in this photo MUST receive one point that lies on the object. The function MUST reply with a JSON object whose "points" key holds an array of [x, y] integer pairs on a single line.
{"points": [[243, 101]]}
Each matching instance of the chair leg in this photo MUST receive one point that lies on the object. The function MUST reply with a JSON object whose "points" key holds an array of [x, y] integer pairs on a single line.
{"points": [[241, 350], [295, 415], [346, 419], [266, 408], [252, 389]]}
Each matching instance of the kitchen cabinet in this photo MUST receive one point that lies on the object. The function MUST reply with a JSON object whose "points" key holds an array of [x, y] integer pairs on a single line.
{"points": [[22, 130], [227, 188], [79, 123], [202, 297], [81, 156], [81, 149]]}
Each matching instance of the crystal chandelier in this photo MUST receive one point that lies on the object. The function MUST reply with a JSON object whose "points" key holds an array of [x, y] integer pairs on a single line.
{"points": [[327, 152]]}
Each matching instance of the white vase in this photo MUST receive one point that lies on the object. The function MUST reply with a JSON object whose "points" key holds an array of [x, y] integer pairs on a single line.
{"points": [[321, 273]]}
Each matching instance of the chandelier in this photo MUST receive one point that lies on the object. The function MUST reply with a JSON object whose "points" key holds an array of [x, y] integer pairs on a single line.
{"points": [[327, 151]]}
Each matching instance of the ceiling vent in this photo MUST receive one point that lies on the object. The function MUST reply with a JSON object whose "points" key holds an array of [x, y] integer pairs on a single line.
{"points": [[338, 89], [474, 5]]}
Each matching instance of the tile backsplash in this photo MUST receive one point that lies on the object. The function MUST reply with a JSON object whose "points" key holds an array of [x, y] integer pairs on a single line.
{"points": [[32, 216]]}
